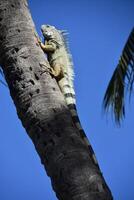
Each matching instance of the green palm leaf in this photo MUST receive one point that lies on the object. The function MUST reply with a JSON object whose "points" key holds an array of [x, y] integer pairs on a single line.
{"points": [[122, 80], [1, 73]]}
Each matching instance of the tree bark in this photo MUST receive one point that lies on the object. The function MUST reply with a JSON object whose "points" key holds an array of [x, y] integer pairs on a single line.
{"points": [[42, 109]]}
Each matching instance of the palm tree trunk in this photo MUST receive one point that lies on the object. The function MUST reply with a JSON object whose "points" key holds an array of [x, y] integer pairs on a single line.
{"points": [[42, 110]]}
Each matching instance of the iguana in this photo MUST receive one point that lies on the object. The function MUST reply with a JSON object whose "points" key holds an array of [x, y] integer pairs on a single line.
{"points": [[59, 57]]}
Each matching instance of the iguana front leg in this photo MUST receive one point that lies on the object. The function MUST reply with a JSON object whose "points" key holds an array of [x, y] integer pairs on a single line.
{"points": [[47, 47]]}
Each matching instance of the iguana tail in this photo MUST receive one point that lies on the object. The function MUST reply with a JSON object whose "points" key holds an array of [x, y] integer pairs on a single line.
{"points": [[69, 96]]}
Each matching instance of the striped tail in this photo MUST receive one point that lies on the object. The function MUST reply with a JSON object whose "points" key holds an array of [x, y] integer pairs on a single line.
{"points": [[69, 95]]}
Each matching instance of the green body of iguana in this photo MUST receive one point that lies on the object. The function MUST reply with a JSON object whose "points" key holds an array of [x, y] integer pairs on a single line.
{"points": [[55, 47]]}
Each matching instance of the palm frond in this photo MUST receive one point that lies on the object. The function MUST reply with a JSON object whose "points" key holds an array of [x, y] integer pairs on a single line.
{"points": [[122, 80], [1, 81], [1, 72]]}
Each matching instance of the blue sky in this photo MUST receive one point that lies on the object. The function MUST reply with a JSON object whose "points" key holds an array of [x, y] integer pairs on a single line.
{"points": [[98, 31]]}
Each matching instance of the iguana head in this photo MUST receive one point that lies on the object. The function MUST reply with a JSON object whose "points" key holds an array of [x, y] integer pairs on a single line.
{"points": [[52, 33], [49, 32]]}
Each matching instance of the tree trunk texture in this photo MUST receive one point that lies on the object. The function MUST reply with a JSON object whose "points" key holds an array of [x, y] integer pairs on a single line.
{"points": [[42, 109]]}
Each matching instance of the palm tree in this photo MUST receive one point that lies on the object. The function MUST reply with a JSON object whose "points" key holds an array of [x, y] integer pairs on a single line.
{"points": [[121, 82], [42, 109]]}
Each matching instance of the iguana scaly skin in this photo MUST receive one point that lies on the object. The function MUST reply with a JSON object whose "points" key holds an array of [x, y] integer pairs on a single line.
{"points": [[56, 48]]}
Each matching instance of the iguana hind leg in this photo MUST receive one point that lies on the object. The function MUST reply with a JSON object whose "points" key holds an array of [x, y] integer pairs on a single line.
{"points": [[57, 71]]}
